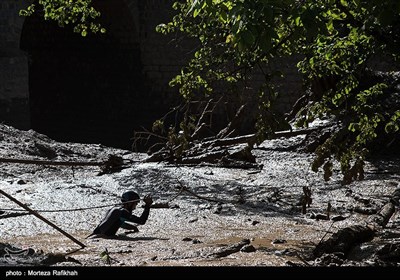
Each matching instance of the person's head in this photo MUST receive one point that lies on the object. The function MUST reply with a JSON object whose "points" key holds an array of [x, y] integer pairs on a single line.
{"points": [[129, 196]]}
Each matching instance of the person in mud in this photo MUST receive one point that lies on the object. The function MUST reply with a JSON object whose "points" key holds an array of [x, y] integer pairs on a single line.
{"points": [[122, 217]]}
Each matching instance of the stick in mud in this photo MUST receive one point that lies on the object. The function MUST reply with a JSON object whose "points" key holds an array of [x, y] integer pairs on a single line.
{"points": [[42, 218]]}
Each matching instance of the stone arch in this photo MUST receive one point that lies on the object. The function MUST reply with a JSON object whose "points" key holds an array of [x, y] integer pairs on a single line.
{"points": [[86, 89]]}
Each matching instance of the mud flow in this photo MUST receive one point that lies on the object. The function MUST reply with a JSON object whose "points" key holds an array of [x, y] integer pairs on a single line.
{"points": [[222, 216]]}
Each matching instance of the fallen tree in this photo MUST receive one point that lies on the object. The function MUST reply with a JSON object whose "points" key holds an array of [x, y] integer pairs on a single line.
{"points": [[197, 144], [112, 164], [345, 239]]}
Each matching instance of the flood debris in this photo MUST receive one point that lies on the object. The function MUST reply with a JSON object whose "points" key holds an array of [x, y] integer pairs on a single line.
{"points": [[229, 205], [112, 164], [231, 249], [389, 253], [234, 152], [305, 199], [278, 241], [12, 256], [165, 205], [5, 215], [248, 248], [341, 242]]}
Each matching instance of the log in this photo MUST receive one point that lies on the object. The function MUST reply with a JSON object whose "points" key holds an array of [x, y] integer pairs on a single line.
{"points": [[250, 139], [50, 162], [12, 215], [382, 218], [344, 240], [216, 142], [390, 252], [113, 163], [160, 205], [396, 197], [212, 157], [210, 151], [226, 251], [291, 133], [241, 152]]}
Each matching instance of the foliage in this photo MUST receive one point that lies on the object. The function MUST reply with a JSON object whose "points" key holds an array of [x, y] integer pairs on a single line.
{"points": [[79, 13], [337, 39]]}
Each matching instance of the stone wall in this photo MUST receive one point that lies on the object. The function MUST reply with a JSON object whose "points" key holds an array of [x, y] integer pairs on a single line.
{"points": [[14, 91]]}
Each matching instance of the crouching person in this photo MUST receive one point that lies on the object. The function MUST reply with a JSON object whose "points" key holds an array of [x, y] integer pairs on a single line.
{"points": [[120, 216]]}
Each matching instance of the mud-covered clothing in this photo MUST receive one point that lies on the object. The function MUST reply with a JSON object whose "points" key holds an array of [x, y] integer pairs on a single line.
{"points": [[116, 217]]}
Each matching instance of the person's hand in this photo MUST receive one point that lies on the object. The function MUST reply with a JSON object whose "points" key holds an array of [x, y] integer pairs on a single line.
{"points": [[148, 200]]}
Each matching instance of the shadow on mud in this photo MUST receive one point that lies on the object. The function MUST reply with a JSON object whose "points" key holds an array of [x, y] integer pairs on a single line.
{"points": [[128, 238]]}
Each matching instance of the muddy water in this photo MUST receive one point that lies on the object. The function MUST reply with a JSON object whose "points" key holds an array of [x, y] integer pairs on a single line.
{"points": [[259, 205], [170, 248]]}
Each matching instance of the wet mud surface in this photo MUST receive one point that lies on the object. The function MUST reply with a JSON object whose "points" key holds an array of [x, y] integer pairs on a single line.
{"points": [[225, 217]]}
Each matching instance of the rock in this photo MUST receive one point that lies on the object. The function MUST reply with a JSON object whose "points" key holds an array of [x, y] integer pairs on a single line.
{"points": [[338, 218], [278, 241], [248, 249]]}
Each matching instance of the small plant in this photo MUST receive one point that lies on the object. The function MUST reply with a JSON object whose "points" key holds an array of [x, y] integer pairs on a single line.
{"points": [[105, 256]]}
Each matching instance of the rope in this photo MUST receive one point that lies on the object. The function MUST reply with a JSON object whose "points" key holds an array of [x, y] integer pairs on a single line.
{"points": [[74, 209], [182, 189]]}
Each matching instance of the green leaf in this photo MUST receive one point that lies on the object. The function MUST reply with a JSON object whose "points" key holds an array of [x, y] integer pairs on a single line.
{"points": [[196, 12], [247, 37], [353, 127], [297, 21], [223, 17]]}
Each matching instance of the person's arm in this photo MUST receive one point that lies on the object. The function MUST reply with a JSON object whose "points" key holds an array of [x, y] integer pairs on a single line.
{"points": [[143, 218]]}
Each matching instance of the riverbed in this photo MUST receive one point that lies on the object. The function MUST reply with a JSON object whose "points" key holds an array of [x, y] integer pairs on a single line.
{"points": [[203, 210]]}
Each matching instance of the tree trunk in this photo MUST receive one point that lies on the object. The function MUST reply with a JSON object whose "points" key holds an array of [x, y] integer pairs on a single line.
{"points": [[345, 239]]}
